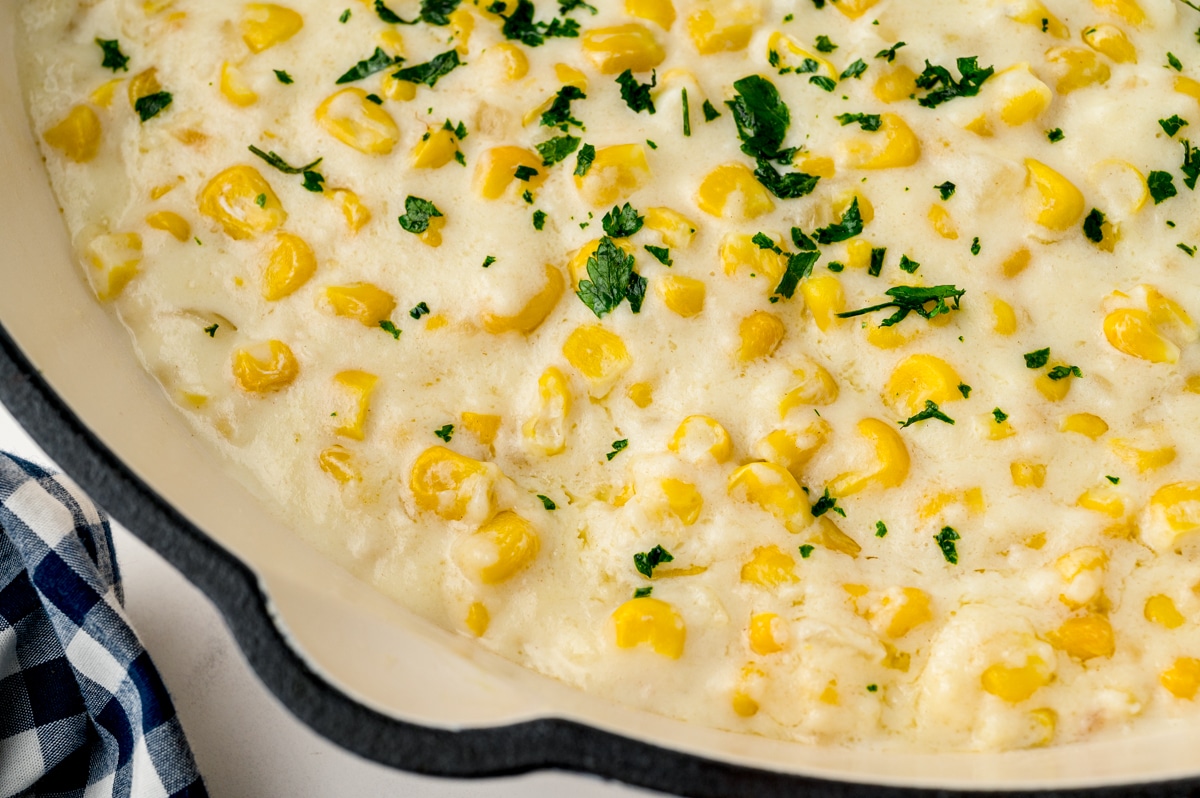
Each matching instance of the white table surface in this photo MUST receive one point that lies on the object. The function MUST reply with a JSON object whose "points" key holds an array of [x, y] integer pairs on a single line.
{"points": [[246, 743]]}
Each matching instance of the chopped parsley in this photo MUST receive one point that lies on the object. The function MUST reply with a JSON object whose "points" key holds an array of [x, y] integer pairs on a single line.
{"points": [[1191, 165], [687, 116], [388, 327], [376, 62], [945, 540], [617, 448], [820, 81], [527, 195], [313, 181], [946, 190], [710, 113], [880, 529], [661, 254], [931, 411], [445, 433], [999, 415], [1174, 62], [868, 122], [583, 161], [622, 222], [965, 390], [1161, 185], [912, 299], [547, 502], [523, 173], [539, 220], [646, 562], [434, 12], [1056, 135], [431, 71], [344, 17], [559, 113], [1171, 126], [283, 77], [417, 213], [521, 26], [114, 59], [889, 54], [785, 186], [972, 78], [1062, 372], [637, 95], [806, 551], [871, 688], [557, 149], [975, 246], [824, 45], [1191, 251], [827, 504], [908, 265], [876, 264], [212, 330], [489, 260], [1037, 358], [850, 225], [836, 266], [855, 70], [611, 280], [643, 592], [261, 200], [567, 6], [420, 310], [762, 118], [280, 164], [1093, 226], [1113, 480], [152, 105]]}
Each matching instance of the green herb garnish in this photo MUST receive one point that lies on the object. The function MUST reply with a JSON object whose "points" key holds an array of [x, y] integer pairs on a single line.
{"points": [[283, 77], [908, 265], [1113, 480], [824, 45], [431, 71], [1056, 135], [687, 116], [445, 433], [643, 592], [1191, 165], [972, 78], [1171, 126], [388, 327], [1037, 358], [890, 53], [618, 447], [421, 309], [822, 82], [876, 265], [880, 529], [855, 70], [1062, 372], [806, 551], [965, 390], [583, 161], [547, 502], [827, 504], [637, 95], [931, 411], [521, 26], [212, 330], [376, 62], [911, 299], [539, 220], [611, 280], [622, 222], [152, 105], [946, 542], [1093, 226], [975, 246], [710, 113], [313, 181], [850, 225], [114, 59], [280, 164], [946, 190], [417, 213], [661, 254], [489, 260], [1161, 185], [557, 149], [646, 562], [999, 415], [868, 122], [1174, 62]]}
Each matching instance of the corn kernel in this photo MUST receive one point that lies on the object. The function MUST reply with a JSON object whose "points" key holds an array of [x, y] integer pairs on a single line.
{"points": [[1175, 513], [1161, 610], [1085, 424], [895, 85], [462, 24], [1112, 41], [77, 136], [641, 394], [912, 610], [352, 119], [1187, 86], [743, 705], [484, 426], [766, 631], [142, 85], [761, 334], [817, 387], [547, 430], [1032, 12], [235, 88], [1182, 679], [793, 449], [774, 490], [831, 537], [535, 311], [1167, 314], [676, 229], [1054, 203], [393, 88], [357, 214], [478, 619], [616, 172], [699, 438], [730, 183], [614, 49], [770, 567], [855, 8], [684, 296], [1027, 475], [265, 368], [435, 150], [357, 386], [722, 29], [1084, 637], [893, 146], [1128, 10], [683, 500], [1102, 500], [943, 223], [918, 379], [1053, 390], [599, 355], [660, 12], [114, 259], [452, 486], [496, 551], [291, 265], [739, 253], [1133, 333], [570, 76], [891, 457], [508, 59], [338, 462], [104, 93], [1015, 685], [1142, 459], [1076, 68], [1027, 97], [496, 170], [816, 165], [265, 25], [232, 200], [649, 621], [1015, 263], [170, 222], [366, 303], [1123, 189], [824, 299]]}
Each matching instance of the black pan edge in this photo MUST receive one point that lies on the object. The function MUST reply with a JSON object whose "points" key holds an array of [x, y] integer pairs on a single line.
{"points": [[499, 751]]}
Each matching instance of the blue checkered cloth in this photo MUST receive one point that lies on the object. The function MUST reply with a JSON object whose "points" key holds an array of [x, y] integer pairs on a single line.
{"points": [[82, 709]]}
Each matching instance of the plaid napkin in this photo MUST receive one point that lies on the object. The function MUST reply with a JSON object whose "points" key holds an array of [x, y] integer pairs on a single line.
{"points": [[82, 709]]}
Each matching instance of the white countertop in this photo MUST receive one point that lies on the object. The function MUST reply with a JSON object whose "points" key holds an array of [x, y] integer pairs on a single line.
{"points": [[246, 743]]}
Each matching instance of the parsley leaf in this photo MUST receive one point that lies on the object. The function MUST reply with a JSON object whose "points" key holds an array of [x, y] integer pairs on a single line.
{"points": [[643, 592], [799, 266], [1037, 359], [390, 17], [1062, 372], [931, 411], [431, 71], [539, 220], [1161, 185], [151, 105], [556, 149], [1113, 480], [1093, 226], [965, 390], [687, 114], [762, 118], [344, 17], [855, 70], [880, 529], [908, 265], [975, 247], [784, 186], [489, 260], [850, 225], [876, 264], [567, 6], [661, 254], [824, 45], [1056, 135], [710, 113], [946, 190], [945, 540], [868, 122], [827, 504], [313, 181], [437, 12], [1174, 62], [890, 53], [523, 173], [646, 562], [637, 95], [828, 84], [972, 79], [417, 213], [445, 433], [622, 222], [114, 59], [911, 299], [421, 309], [212, 330], [547, 502], [376, 62], [390, 328], [1171, 126], [806, 550], [1191, 165], [583, 161], [559, 113], [999, 415], [618, 447], [521, 26], [283, 77], [280, 164], [612, 279]]}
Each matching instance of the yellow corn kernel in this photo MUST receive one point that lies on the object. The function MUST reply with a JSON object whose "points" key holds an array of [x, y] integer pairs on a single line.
{"points": [[484, 426], [114, 260], [615, 49], [858, 253], [497, 168], [357, 386], [1026, 97], [918, 379], [641, 394], [913, 610], [1037, 542], [547, 430], [824, 299], [1161, 610], [235, 88], [765, 633], [817, 387], [291, 265], [649, 621], [142, 85], [891, 457], [1027, 475], [1054, 203], [1053, 390], [1122, 187], [733, 181], [676, 229], [392, 42], [535, 311], [831, 537], [1133, 333], [1112, 41], [660, 12], [352, 119], [896, 84], [1175, 510], [435, 150], [103, 94], [432, 236], [1102, 500], [77, 136], [980, 126], [162, 190], [265, 25], [739, 253], [743, 705], [1187, 86], [232, 200], [1084, 637], [393, 88], [893, 146], [943, 223], [1015, 684], [793, 449], [617, 172], [357, 214], [855, 8], [1142, 459], [770, 567], [1032, 12], [1015, 263], [364, 302], [683, 500], [890, 337], [497, 550], [170, 222], [865, 209], [699, 438], [1085, 424], [1166, 313], [998, 431], [1128, 10], [509, 60], [684, 296], [774, 490], [461, 26], [1006, 317], [338, 462], [478, 619], [1076, 68], [570, 76], [1182, 679], [761, 333], [265, 368], [451, 485], [722, 29], [599, 355]]}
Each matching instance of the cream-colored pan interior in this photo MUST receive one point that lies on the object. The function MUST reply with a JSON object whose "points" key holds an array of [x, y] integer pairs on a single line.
{"points": [[367, 646]]}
